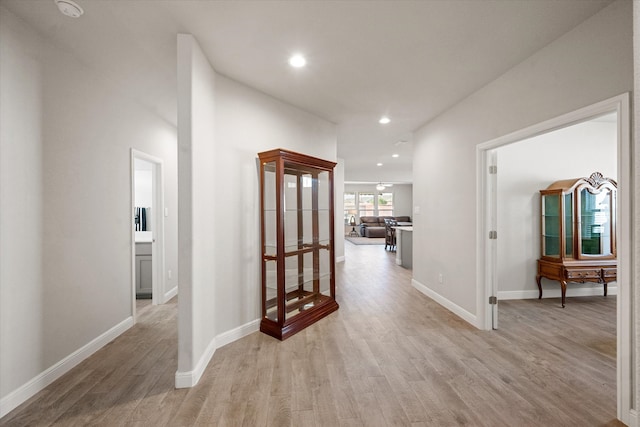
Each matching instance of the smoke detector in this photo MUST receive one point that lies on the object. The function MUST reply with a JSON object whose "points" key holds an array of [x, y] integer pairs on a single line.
{"points": [[69, 8]]}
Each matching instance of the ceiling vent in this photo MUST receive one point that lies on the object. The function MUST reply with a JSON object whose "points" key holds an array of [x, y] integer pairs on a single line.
{"points": [[69, 8]]}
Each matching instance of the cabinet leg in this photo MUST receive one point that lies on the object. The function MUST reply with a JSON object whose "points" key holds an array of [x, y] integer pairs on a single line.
{"points": [[538, 280], [605, 289], [563, 285]]}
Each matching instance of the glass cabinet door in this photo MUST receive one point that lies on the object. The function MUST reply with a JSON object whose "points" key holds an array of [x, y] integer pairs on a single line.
{"points": [[551, 225], [568, 225], [324, 232], [595, 222], [269, 229], [307, 267]]}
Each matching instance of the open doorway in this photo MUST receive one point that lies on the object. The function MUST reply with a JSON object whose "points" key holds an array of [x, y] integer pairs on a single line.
{"points": [[531, 165], [487, 246], [147, 229]]}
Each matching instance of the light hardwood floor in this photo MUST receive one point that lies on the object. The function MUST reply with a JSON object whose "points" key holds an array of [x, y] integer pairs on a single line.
{"points": [[389, 356]]}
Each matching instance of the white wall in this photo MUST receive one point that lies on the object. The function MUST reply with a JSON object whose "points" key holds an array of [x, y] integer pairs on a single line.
{"points": [[635, 200], [338, 206], [249, 122], [591, 63], [403, 200], [22, 292], [197, 213], [66, 211], [229, 123], [525, 168], [143, 183]]}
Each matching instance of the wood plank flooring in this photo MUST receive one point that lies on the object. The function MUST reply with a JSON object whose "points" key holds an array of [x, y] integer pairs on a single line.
{"points": [[389, 356]]}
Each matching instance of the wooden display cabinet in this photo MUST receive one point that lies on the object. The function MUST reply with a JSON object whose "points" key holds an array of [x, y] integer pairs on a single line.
{"points": [[298, 258], [578, 227]]}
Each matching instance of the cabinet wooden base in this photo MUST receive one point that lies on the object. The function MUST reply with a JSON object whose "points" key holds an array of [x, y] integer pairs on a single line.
{"points": [[299, 322], [564, 272]]}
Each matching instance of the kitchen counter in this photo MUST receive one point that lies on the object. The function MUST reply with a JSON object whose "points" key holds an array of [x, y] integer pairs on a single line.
{"points": [[404, 246]]}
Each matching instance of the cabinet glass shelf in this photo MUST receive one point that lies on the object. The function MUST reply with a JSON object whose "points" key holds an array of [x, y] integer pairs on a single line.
{"points": [[295, 248]]}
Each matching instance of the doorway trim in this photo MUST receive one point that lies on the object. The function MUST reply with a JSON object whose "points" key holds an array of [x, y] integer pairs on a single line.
{"points": [[157, 226], [486, 261]]}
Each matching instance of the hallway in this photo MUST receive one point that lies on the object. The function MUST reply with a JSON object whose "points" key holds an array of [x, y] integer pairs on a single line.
{"points": [[388, 356]]}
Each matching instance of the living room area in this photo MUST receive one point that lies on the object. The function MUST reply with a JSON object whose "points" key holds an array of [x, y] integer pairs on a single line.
{"points": [[364, 200], [379, 214]]}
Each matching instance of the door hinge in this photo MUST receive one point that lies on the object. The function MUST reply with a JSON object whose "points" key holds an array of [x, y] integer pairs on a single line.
{"points": [[493, 300], [493, 234], [493, 170]]}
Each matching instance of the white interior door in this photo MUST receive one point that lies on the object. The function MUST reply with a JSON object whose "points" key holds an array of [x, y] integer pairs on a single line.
{"points": [[492, 235]]}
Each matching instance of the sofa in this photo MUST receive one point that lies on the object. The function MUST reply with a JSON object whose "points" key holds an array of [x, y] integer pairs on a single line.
{"points": [[373, 226]]}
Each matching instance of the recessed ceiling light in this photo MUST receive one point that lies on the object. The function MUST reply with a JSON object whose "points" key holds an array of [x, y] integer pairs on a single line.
{"points": [[395, 155], [378, 164], [69, 8], [297, 61], [384, 120]]}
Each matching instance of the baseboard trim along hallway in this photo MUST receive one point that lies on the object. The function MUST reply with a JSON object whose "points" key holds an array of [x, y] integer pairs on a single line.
{"points": [[39, 382]]}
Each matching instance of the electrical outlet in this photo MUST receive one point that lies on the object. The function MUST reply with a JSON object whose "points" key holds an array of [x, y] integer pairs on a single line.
{"points": [[169, 274], [440, 278]]}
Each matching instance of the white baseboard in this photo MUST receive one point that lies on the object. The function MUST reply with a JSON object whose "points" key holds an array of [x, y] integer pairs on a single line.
{"points": [[237, 333], [555, 293], [631, 419], [172, 293], [454, 308], [188, 379], [39, 382]]}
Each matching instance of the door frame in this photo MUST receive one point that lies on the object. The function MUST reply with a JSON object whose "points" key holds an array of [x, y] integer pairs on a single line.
{"points": [[487, 258], [157, 226]]}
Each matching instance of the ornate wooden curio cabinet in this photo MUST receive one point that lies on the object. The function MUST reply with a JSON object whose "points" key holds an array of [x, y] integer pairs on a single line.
{"points": [[578, 227], [298, 259]]}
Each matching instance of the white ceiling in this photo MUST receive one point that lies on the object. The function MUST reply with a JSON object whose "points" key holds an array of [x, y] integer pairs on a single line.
{"points": [[410, 60]]}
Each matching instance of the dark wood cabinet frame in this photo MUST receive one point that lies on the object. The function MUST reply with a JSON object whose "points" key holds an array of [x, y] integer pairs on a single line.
{"points": [[577, 267], [309, 305]]}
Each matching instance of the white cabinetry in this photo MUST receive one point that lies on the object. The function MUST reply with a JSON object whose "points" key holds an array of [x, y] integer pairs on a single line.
{"points": [[143, 270]]}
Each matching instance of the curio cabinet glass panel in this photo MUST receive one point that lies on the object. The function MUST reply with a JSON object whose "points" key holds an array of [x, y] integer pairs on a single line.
{"points": [[298, 267]]}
